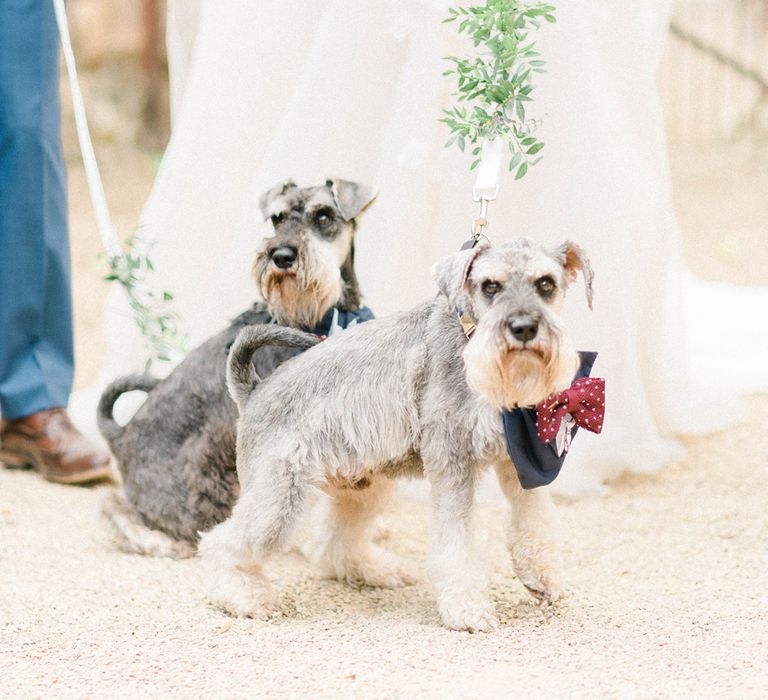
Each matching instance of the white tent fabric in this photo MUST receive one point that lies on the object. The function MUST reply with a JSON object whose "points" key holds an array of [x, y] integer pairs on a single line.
{"points": [[275, 89]]}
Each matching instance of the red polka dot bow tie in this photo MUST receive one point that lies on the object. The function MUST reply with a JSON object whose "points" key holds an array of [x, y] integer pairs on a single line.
{"points": [[584, 402]]}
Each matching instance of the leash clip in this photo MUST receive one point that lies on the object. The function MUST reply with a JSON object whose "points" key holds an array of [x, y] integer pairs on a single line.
{"points": [[480, 224]]}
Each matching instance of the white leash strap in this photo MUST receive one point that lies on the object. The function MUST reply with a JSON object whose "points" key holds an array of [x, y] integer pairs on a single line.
{"points": [[108, 235], [486, 187], [487, 179]]}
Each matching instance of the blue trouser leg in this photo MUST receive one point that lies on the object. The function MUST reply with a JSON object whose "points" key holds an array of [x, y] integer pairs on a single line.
{"points": [[36, 356]]}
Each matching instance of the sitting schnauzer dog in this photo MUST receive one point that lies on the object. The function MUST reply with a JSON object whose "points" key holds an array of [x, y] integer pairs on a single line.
{"points": [[404, 395], [177, 454]]}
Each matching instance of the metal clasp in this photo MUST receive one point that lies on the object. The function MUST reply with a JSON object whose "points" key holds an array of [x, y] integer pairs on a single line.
{"points": [[480, 224]]}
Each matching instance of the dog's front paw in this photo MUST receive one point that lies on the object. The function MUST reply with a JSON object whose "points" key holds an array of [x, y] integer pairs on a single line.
{"points": [[545, 585], [478, 616], [242, 597], [536, 565], [254, 606]]}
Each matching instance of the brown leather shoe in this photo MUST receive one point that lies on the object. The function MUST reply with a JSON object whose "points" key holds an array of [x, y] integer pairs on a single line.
{"points": [[48, 442]]}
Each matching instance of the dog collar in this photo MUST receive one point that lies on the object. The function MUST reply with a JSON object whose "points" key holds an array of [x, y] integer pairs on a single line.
{"points": [[468, 326]]}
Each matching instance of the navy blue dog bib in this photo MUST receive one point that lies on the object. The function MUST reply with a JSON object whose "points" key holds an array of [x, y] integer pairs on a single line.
{"points": [[537, 463], [334, 319], [337, 319]]}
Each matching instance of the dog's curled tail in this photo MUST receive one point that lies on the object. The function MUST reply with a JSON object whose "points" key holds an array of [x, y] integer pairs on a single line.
{"points": [[109, 427], [241, 374]]}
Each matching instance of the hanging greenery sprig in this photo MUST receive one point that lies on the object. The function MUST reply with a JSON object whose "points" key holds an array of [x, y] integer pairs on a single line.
{"points": [[151, 310], [494, 84]]}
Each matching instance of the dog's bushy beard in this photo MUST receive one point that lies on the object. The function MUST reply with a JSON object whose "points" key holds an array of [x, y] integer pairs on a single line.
{"points": [[509, 376], [300, 296]]}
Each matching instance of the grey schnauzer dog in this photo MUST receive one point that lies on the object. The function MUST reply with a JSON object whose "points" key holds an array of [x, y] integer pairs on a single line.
{"points": [[177, 454], [406, 395]]}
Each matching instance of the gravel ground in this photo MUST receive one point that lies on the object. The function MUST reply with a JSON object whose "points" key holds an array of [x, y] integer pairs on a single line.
{"points": [[667, 579], [667, 575]]}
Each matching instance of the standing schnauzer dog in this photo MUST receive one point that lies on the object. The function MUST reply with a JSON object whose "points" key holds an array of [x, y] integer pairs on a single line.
{"points": [[177, 454], [404, 395]]}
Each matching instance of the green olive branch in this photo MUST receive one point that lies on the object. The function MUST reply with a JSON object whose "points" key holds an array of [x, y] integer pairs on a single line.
{"points": [[152, 310], [496, 84]]}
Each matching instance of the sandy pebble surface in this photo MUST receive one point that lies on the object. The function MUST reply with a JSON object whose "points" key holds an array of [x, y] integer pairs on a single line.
{"points": [[667, 576], [667, 590]]}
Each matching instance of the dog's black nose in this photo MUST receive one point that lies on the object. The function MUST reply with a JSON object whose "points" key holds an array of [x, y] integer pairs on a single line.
{"points": [[524, 329], [283, 257]]}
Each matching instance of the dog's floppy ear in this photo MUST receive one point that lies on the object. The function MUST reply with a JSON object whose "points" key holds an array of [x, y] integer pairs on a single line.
{"points": [[452, 273], [573, 258], [351, 198], [268, 198]]}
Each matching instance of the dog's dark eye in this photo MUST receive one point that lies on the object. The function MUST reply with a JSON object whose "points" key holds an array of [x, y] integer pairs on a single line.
{"points": [[277, 219], [545, 286], [490, 288], [324, 218]]}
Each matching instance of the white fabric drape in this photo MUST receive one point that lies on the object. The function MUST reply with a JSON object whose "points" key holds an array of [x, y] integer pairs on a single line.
{"points": [[276, 89]]}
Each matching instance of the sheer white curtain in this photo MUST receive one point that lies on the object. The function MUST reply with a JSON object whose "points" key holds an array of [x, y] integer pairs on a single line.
{"points": [[275, 89]]}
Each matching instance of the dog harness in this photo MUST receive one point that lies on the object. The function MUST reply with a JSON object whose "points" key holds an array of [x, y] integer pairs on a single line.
{"points": [[538, 438]]}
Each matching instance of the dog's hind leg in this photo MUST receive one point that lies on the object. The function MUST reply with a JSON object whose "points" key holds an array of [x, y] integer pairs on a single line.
{"points": [[131, 535], [532, 535], [344, 547], [261, 523]]}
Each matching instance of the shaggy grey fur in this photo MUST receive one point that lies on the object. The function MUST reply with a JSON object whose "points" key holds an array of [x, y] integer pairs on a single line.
{"points": [[177, 454], [403, 395]]}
